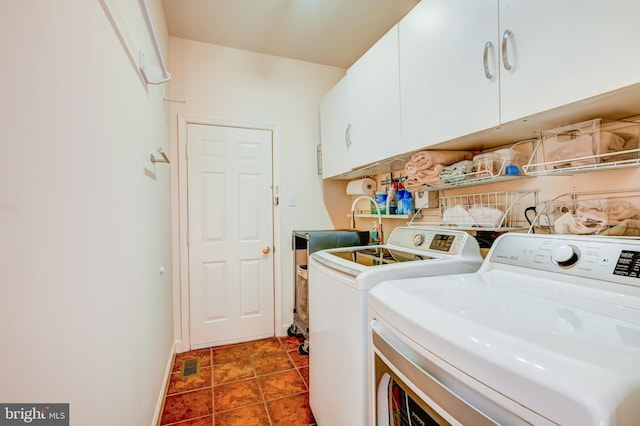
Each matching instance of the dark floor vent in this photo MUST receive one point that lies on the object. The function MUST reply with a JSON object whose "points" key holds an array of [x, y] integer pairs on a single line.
{"points": [[190, 367]]}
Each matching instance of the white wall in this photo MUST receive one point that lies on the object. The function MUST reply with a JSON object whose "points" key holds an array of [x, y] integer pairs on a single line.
{"points": [[234, 85], [85, 316]]}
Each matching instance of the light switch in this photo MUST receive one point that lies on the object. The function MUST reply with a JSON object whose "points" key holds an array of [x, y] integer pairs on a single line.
{"points": [[292, 200]]}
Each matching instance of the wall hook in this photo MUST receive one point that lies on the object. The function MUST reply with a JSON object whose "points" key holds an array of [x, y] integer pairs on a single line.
{"points": [[164, 158]]}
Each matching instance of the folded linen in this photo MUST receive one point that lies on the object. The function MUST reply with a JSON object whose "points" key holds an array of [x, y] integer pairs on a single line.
{"points": [[486, 216], [627, 228], [620, 210], [570, 153], [423, 160], [567, 224], [619, 142], [458, 215], [456, 172]]}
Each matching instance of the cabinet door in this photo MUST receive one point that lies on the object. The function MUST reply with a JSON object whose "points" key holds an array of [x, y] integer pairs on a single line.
{"points": [[443, 87], [333, 129], [565, 51], [374, 102]]}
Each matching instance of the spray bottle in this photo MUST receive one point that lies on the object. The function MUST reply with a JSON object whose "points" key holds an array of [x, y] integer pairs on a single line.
{"points": [[392, 201]]}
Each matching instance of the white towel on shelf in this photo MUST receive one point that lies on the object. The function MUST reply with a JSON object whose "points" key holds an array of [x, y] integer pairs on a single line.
{"points": [[458, 215], [486, 216], [567, 224]]}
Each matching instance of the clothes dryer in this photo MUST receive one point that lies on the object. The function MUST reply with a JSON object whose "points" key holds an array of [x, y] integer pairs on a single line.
{"points": [[546, 332]]}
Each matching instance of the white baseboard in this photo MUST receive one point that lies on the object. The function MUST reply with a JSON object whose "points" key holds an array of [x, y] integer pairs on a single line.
{"points": [[165, 384], [283, 330]]}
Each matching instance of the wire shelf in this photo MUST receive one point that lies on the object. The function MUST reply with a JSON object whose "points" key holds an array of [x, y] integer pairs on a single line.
{"points": [[605, 213], [489, 211], [588, 146]]}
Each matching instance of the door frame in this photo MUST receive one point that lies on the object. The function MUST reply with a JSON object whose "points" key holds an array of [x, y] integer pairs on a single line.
{"points": [[180, 252]]}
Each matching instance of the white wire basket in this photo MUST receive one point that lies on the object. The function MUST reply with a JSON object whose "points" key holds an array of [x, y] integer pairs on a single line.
{"points": [[487, 211], [587, 146], [608, 213]]}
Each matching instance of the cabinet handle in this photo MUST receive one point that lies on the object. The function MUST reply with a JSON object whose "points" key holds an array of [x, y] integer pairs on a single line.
{"points": [[485, 60], [347, 136], [505, 58]]}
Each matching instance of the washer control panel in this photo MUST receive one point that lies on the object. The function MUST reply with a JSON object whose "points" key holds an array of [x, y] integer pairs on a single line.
{"points": [[429, 239]]}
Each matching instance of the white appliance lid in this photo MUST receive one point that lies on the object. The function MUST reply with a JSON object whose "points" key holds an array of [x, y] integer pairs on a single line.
{"points": [[561, 350], [411, 245]]}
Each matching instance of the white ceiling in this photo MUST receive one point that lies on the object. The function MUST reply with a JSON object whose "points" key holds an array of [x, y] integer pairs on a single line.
{"points": [[330, 32]]}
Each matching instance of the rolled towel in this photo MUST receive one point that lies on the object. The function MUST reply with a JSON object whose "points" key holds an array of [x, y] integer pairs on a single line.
{"points": [[413, 184], [430, 176], [422, 178], [423, 160]]}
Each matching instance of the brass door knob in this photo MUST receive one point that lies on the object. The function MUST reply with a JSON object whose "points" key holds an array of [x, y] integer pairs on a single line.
{"points": [[266, 250]]}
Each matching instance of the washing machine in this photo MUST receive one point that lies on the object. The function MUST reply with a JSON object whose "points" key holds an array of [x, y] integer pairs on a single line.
{"points": [[546, 332], [339, 281]]}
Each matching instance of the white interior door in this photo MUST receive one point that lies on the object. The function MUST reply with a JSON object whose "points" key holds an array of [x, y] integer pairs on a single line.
{"points": [[231, 283]]}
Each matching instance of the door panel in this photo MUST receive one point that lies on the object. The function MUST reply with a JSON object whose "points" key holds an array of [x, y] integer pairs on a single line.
{"points": [[444, 90], [230, 222], [566, 51]]}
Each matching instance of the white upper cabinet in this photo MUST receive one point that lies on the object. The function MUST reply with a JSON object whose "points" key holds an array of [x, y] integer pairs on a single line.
{"points": [[471, 65], [334, 128], [374, 102], [445, 89], [453, 68], [360, 116], [565, 51]]}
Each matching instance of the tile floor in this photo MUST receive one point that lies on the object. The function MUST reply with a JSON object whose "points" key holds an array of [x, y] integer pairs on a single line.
{"points": [[263, 382]]}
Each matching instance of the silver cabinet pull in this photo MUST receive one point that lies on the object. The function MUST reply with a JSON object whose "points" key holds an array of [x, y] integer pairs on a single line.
{"points": [[505, 57], [485, 60], [347, 136]]}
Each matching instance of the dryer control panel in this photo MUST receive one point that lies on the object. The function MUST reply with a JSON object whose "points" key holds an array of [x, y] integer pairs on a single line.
{"points": [[601, 258]]}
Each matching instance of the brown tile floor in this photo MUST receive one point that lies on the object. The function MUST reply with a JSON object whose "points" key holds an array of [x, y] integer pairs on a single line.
{"points": [[263, 382]]}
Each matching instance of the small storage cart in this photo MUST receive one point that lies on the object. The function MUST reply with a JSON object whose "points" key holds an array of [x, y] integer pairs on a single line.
{"points": [[304, 243]]}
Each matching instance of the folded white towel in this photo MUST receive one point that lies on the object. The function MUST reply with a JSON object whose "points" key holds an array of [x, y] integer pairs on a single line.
{"points": [[458, 215], [486, 216]]}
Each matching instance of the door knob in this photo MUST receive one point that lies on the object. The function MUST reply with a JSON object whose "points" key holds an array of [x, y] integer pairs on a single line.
{"points": [[266, 250]]}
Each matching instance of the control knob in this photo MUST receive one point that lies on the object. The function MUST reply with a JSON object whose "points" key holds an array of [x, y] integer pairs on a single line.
{"points": [[565, 255], [418, 240]]}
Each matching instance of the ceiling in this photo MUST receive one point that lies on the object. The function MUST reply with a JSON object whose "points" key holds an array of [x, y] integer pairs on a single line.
{"points": [[329, 32]]}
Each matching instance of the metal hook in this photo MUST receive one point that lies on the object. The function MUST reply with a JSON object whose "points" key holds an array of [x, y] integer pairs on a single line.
{"points": [[164, 158]]}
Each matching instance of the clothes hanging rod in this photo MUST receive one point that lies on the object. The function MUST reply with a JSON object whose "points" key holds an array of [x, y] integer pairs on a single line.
{"points": [[150, 73], [182, 101]]}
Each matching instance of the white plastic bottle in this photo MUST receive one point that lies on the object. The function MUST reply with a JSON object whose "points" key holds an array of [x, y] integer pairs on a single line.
{"points": [[392, 201]]}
